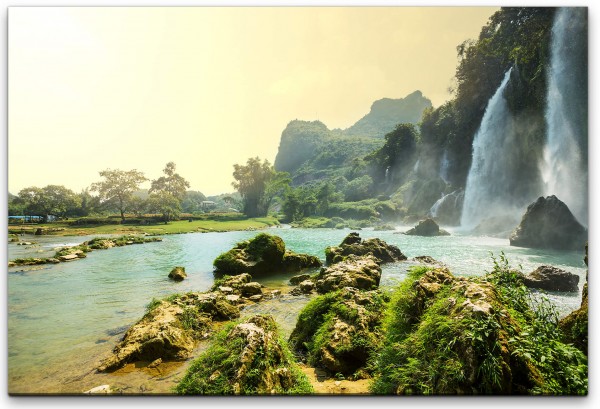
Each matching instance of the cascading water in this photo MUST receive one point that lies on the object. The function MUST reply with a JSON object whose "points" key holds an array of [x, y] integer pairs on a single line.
{"points": [[444, 164], [564, 169], [492, 178]]}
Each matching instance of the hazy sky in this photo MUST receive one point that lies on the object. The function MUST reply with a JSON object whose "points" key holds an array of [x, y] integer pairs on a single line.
{"points": [[97, 88]]}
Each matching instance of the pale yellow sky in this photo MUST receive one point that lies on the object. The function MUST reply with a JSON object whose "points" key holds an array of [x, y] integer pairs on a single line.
{"points": [[95, 88]]}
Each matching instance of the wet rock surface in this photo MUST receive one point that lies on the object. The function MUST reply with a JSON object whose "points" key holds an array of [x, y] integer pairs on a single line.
{"points": [[362, 272], [550, 278], [353, 244], [427, 227], [548, 223], [177, 274]]}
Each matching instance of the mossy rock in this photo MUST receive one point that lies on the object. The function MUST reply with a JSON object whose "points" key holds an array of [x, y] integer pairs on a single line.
{"points": [[340, 331], [264, 254], [353, 244], [427, 227], [361, 272], [456, 335], [247, 358]]}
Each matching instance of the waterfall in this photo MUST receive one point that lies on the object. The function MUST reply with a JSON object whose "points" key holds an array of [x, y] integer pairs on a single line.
{"points": [[444, 164], [492, 179], [434, 209], [564, 169], [447, 208]]}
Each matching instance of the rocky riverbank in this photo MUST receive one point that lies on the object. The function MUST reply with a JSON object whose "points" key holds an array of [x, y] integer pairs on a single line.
{"points": [[437, 333]]}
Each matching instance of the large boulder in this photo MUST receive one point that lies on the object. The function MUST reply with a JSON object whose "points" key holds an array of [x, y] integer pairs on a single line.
{"points": [[548, 223], [353, 244], [348, 325], [248, 358], [159, 334], [427, 227], [261, 255], [550, 278], [170, 329], [361, 272]]}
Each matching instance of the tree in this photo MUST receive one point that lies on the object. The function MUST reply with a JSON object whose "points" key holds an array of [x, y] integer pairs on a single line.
{"points": [[164, 203], [396, 156], [258, 183], [50, 200], [117, 188], [172, 183]]}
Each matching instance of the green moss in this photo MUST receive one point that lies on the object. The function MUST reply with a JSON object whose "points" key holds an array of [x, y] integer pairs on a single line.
{"points": [[340, 330], [432, 346], [216, 371]]}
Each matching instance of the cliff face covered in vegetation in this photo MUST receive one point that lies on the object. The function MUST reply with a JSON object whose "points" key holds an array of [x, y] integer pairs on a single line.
{"points": [[422, 158], [311, 151]]}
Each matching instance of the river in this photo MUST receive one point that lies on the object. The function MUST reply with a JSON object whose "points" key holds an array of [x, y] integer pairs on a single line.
{"points": [[64, 318]]}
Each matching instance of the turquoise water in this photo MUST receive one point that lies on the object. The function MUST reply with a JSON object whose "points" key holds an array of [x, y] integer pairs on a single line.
{"points": [[69, 315]]}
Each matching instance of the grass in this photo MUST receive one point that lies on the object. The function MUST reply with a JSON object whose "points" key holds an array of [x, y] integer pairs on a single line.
{"points": [[174, 227], [214, 371], [431, 347]]}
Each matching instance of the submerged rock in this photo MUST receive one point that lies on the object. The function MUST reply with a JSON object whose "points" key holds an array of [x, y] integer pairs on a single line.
{"points": [[550, 278], [348, 323], [548, 223], [263, 254], [353, 244], [177, 274], [427, 227], [361, 272], [248, 358]]}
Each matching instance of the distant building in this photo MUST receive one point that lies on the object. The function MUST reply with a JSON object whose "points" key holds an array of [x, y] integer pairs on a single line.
{"points": [[208, 205]]}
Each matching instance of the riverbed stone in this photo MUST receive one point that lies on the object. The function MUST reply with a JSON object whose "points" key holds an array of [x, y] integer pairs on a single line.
{"points": [[548, 223], [354, 244], [251, 288], [361, 272], [427, 227], [69, 257], [177, 274], [551, 278], [295, 280], [99, 390]]}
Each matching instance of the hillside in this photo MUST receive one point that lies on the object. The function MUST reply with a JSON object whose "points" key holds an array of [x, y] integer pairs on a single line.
{"points": [[311, 151]]}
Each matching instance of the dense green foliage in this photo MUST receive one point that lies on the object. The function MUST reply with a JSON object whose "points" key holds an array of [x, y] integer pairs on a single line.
{"points": [[117, 188], [172, 183], [258, 183], [50, 200]]}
